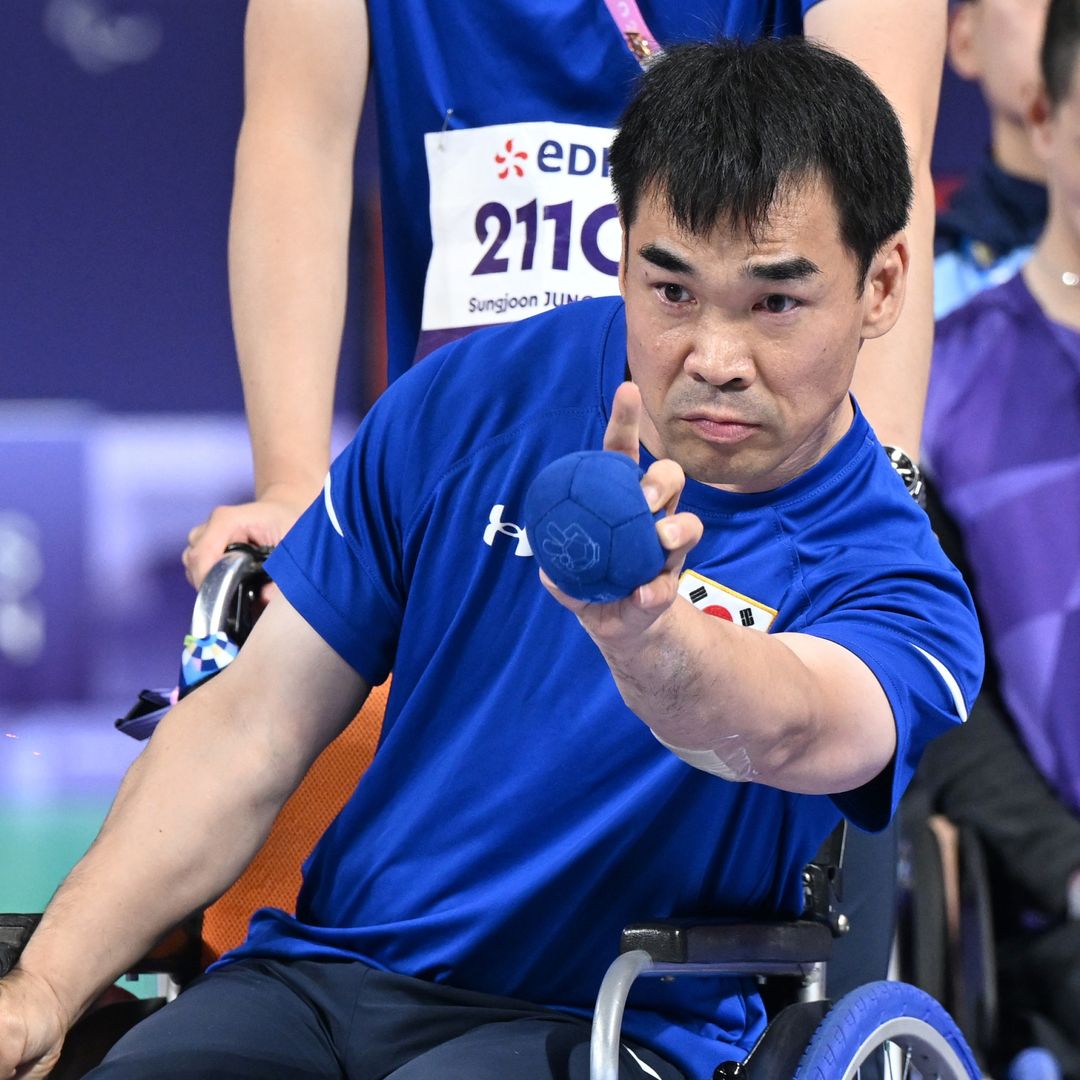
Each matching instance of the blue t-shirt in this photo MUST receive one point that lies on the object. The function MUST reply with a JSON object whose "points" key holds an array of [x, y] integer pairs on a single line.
{"points": [[517, 814], [475, 63]]}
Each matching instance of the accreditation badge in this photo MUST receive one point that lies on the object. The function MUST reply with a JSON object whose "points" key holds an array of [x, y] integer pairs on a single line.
{"points": [[523, 220]]}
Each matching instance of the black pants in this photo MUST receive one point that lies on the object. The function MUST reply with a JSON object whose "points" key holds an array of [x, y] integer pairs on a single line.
{"points": [[262, 1018]]}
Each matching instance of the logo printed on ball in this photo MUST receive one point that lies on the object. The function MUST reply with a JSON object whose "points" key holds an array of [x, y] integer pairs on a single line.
{"points": [[572, 548]]}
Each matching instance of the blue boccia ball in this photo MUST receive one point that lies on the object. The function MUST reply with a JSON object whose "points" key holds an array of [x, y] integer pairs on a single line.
{"points": [[590, 527]]}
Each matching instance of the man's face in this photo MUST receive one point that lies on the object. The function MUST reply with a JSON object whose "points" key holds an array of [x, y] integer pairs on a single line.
{"points": [[744, 351]]}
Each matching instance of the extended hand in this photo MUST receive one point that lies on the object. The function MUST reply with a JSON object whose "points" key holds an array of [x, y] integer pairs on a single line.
{"points": [[678, 532], [263, 523]]}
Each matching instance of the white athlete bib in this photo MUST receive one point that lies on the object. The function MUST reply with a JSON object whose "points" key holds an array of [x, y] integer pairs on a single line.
{"points": [[522, 221]]}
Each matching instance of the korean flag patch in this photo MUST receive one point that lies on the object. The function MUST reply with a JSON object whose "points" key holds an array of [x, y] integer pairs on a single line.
{"points": [[724, 603]]}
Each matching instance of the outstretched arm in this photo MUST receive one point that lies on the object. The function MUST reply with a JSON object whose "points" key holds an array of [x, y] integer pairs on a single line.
{"points": [[789, 710], [191, 813], [901, 45], [305, 70]]}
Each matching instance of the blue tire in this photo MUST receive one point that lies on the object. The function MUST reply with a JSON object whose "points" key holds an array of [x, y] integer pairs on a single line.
{"points": [[881, 1013]]}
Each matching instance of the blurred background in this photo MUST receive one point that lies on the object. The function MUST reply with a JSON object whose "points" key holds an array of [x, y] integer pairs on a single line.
{"points": [[121, 419]]}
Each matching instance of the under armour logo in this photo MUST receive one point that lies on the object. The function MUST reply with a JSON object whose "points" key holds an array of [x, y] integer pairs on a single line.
{"points": [[507, 528]]}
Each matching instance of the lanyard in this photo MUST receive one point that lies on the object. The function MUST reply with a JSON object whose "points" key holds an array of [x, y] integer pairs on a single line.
{"points": [[638, 37]]}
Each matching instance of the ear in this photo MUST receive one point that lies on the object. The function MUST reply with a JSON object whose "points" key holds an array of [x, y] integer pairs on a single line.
{"points": [[961, 45], [883, 290], [1039, 116]]}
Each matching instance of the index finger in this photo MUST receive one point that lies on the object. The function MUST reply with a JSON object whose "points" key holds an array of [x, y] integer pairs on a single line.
{"points": [[623, 430]]}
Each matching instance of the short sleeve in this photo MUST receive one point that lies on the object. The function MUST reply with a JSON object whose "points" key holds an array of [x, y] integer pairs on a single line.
{"points": [[915, 628], [341, 565]]}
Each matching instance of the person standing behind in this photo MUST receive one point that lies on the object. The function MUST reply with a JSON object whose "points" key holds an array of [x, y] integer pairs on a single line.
{"points": [[1003, 445], [506, 109], [985, 234]]}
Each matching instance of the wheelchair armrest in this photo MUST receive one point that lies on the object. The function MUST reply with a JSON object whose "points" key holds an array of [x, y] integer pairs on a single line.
{"points": [[698, 947], [725, 946], [15, 931]]}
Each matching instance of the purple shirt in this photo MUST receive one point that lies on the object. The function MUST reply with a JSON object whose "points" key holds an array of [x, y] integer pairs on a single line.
{"points": [[1002, 440]]}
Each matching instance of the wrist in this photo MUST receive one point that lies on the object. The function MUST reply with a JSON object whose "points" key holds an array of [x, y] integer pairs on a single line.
{"points": [[635, 635], [295, 492], [39, 999], [909, 472]]}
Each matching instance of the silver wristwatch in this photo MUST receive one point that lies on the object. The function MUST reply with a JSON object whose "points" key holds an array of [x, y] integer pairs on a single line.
{"points": [[909, 472]]}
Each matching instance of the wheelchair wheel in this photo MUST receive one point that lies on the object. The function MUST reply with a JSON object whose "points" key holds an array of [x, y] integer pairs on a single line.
{"points": [[905, 1029]]}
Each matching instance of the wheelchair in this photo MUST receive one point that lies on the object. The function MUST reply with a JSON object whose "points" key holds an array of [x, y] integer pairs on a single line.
{"points": [[881, 1029], [949, 915]]}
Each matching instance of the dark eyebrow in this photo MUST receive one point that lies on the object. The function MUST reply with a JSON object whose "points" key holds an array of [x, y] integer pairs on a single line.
{"points": [[797, 268], [666, 260]]}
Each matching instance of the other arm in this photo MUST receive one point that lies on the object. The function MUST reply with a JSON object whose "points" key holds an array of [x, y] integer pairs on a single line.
{"points": [[901, 45], [305, 70], [190, 814]]}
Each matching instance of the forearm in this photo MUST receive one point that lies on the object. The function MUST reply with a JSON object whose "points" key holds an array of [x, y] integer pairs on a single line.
{"points": [[790, 710], [893, 371], [190, 814], [288, 269], [305, 69], [901, 45], [701, 683]]}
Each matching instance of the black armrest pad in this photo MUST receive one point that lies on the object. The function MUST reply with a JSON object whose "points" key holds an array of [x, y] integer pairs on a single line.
{"points": [[678, 941], [15, 931]]}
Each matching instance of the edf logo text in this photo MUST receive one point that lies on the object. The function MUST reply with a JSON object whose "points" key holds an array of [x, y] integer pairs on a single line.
{"points": [[576, 159]]}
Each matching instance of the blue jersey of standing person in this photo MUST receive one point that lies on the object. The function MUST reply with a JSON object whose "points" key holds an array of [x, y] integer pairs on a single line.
{"points": [[540, 85]]}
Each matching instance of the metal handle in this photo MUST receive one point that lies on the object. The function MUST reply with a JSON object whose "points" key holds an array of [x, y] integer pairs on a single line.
{"points": [[607, 1017], [219, 588]]}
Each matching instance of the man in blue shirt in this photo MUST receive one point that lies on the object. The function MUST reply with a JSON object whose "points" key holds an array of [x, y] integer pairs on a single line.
{"points": [[550, 769]]}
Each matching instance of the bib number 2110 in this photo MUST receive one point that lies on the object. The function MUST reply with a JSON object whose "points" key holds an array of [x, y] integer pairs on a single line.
{"points": [[495, 223]]}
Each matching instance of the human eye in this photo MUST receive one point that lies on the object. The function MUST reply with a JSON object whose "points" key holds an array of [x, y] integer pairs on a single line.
{"points": [[672, 293], [778, 304]]}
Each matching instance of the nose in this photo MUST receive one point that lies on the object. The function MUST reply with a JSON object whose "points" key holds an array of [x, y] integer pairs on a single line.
{"points": [[720, 355]]}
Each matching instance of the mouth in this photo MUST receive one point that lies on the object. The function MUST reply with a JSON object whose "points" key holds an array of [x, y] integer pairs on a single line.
{"points": [[720, 429]]}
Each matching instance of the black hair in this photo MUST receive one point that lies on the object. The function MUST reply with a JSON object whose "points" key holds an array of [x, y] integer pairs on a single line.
{"points": [[721, 130], [1061, 42]]}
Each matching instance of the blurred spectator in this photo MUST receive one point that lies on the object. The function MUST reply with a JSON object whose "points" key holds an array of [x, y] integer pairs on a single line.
{"points": [[1003, 444], [987, 231]]}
